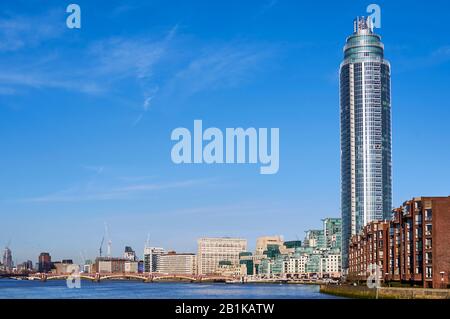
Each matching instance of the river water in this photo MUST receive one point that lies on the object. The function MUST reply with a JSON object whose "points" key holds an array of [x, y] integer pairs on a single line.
{"points": [[15, 289]]}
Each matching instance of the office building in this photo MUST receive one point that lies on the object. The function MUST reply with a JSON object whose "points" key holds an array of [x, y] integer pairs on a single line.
{"points": [[177, 263], [26, 266], [263, 242], [151, 258], [295, 266], [332, 232], [131, 266], [62, 267], [211, 251], [110, 265], [44, 263], [314, 238], [246, 260], [88, 266]]}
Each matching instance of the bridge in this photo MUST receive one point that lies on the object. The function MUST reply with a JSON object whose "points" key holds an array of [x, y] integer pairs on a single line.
{"points": [[150, 277]]}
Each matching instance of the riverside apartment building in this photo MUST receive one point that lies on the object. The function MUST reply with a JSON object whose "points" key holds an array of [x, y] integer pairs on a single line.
{"points": [[411, 248]]}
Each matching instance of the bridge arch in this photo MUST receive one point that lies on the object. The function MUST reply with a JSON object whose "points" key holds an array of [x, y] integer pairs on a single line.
{"points": [[179, 277], [123, 276]]}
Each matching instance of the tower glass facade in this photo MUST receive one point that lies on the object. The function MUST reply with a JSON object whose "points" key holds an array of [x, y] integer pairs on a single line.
{"points": [[365, 100]]}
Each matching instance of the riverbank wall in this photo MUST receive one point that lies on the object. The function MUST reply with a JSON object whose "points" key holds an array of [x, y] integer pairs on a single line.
{"points": [[384, 292]]}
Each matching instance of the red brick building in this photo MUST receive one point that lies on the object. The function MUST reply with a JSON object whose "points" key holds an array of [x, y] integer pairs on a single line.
{"points": [[368, 248], [413, 248]]}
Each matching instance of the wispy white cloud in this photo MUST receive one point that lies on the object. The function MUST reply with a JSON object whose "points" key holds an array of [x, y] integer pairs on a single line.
{"points": [[18, 32], [226, 66], [38, 78], [442, 53], [433, 58], [225, 210], [90, 192], [142, 71], [126, 57], [146, 105]]}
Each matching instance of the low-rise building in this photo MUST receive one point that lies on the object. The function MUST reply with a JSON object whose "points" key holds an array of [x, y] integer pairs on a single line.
{"points": [[62, 267], [110, 265], [131, 267], [331, 265], [246, 259], [226, 268], [295, 266]]}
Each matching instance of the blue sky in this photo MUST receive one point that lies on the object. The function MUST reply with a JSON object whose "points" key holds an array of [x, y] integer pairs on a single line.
{"points": [[86, 117]]}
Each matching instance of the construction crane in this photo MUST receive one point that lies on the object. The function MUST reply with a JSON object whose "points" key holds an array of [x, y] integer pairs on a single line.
{"points": [[82, 258], [147, 243]]}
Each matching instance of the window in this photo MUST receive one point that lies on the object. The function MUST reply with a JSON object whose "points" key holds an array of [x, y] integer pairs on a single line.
{"points": [[428, 229], [429, 272], [418, 219], [428, 258], [428, 215], [418, 245]]}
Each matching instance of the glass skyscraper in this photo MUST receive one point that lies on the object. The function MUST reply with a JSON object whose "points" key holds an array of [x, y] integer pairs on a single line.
{"points": [[365, 99]]}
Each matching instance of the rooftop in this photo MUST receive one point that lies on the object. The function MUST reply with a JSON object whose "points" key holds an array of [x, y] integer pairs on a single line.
{"points": [[363, 25]]}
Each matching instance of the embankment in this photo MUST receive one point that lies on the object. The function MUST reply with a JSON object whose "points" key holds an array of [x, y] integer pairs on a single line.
{"points": [[385, 292]]}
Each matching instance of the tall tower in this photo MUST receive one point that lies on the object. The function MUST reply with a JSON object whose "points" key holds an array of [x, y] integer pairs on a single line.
{"points": [[365, 99], [7, 259]]}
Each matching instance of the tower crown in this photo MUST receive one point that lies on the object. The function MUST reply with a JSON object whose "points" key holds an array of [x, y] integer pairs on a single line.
{"points": [[362, 25], [363, 43]]}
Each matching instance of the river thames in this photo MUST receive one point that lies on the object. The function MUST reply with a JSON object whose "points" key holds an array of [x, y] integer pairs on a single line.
{"points": [[28, 289]]}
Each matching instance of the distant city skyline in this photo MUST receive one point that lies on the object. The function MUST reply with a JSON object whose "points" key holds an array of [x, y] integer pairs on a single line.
{"points": [[86, 117]]}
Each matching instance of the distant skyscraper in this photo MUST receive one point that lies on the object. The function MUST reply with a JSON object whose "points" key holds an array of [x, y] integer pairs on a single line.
{"points": [[7, 259], [365, 99], [44, 262]]}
